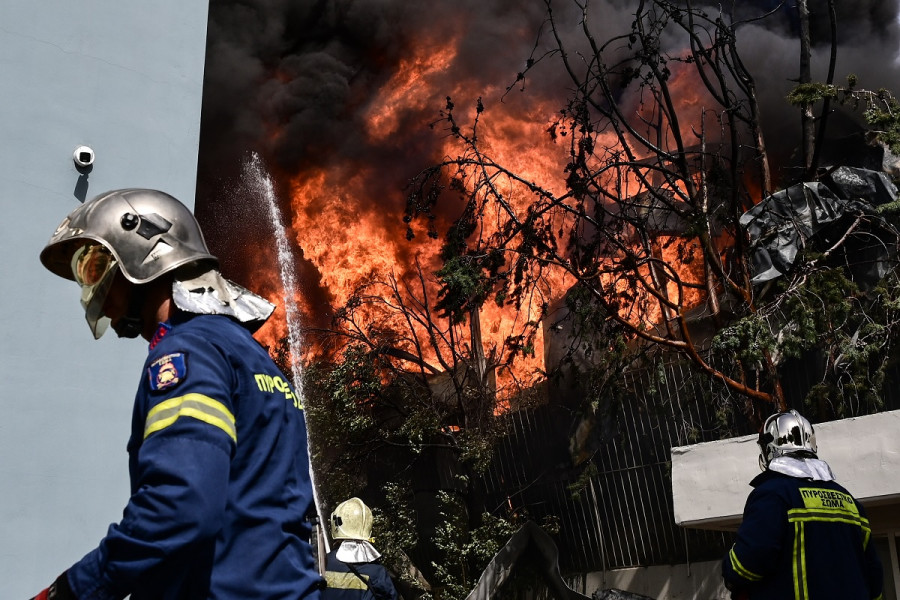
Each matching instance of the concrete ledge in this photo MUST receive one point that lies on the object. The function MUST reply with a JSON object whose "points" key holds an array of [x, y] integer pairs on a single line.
{"points": [[695, 581], [710, 481]]}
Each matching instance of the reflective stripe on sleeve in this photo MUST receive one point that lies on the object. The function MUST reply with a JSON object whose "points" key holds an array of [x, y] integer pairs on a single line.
{"points": [[345, 581], [197, 406], [740, 569]]}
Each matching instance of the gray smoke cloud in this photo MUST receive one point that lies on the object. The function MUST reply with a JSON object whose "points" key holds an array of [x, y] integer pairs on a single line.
{"points": [[868, 47]]}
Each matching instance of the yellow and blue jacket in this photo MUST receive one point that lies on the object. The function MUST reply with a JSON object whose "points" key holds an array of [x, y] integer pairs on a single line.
{"points": [[802, 540], [356, 581], [220, 487]]}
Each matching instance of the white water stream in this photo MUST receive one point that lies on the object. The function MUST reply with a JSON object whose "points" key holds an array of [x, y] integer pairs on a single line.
{"points": [[258, 181]]}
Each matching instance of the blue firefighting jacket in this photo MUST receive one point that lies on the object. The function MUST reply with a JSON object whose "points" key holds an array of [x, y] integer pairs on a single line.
{"points": [[220, 487], [372, 583], [802, 539]]}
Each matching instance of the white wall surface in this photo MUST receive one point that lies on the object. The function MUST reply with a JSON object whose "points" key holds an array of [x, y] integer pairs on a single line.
{"points": [[710, 482], [126, 79], [695, 581]]}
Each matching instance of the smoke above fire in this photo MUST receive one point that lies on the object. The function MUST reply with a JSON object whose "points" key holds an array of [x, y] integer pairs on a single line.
{"points": [[341, 98]]}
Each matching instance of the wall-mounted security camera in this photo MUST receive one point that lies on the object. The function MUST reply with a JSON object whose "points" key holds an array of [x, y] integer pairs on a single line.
{"points": [[83, 156]]}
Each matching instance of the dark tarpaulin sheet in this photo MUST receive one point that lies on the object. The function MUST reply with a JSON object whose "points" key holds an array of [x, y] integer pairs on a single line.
{"points": [[819, 214], [532, 548]]}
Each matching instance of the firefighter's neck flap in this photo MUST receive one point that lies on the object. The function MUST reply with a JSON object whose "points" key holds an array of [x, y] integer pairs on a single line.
{"points": [[209, 293], [802, 468], [357, 551]]}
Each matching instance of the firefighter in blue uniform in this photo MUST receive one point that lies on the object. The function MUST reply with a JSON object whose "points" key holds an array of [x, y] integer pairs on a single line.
{"points": [[352, 570], [803, 535], [220, 487]]}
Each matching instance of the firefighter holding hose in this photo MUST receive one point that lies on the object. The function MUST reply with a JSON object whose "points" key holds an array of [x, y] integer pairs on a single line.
{"points": [[220, 487]]}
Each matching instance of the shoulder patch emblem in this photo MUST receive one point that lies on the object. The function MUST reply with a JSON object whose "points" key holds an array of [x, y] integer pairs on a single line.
{"points": [[167, 371]]}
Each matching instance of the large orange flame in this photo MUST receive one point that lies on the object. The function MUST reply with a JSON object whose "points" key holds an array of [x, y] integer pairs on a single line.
{"points": [[338, 212]]}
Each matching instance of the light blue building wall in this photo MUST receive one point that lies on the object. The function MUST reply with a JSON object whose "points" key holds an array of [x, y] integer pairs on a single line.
{"points": [[124, 78]]}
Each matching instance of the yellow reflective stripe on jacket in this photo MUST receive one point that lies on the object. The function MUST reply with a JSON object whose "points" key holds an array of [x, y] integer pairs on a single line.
{"points": [[821, 506], [741, 569], [837, 515], [828, 516], [801, 590], [345, 581], [197, 406]]}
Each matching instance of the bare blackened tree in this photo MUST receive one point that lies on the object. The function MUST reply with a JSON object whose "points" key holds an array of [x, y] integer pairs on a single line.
{"points": [[665, 154], [654, 187]]}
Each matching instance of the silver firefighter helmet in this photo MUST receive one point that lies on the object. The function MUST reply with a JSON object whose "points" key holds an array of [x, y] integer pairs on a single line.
{"points": [[786, 433], [142, 233], [147, 231]]}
